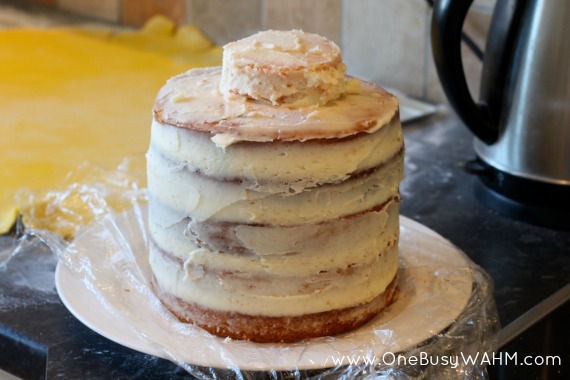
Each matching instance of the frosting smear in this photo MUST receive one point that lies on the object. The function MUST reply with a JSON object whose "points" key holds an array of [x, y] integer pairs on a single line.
{"points": [[290, 68]]}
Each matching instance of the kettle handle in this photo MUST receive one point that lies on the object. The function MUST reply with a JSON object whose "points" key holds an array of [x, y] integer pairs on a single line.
{"points": [[447, 24]]}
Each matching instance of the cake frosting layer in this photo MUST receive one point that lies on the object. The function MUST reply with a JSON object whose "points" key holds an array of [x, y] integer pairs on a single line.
{"points": [[267, 292], [284, 329], [193, 100], [284, 166], [284, 67], [204, 198], [306, 249], [271, 296]]}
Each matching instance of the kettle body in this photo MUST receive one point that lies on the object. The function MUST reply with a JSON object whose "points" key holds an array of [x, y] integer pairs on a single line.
{"points": [[521, 121]]}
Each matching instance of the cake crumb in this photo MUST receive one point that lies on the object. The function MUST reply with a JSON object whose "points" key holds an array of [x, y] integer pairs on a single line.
{"points": [[179, 96]]}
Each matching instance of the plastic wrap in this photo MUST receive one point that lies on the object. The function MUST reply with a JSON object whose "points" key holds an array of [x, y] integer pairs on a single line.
{"points": [[443, 324]]}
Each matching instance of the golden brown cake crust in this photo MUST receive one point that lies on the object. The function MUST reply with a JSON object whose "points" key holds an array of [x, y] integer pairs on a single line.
{"points": [[263, 329], [190, 100]]}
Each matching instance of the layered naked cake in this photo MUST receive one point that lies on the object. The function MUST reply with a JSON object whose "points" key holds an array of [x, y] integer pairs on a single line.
{"points": [[273, 185]]}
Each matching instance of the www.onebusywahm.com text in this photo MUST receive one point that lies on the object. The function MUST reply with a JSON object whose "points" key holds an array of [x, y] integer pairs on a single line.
{"points": [[453, 361]]}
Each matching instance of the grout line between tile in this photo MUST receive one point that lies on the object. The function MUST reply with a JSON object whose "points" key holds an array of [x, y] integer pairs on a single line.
{"points": [[341, 26], [262, 14], [427, 55]]}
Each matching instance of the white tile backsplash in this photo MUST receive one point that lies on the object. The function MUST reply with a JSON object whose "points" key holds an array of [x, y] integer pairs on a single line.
{"points": [[224, 21], [384, 41], [107, 10], [316, 16]]}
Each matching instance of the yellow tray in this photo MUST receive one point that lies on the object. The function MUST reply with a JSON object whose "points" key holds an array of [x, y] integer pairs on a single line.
{"points": [[69, 96]]}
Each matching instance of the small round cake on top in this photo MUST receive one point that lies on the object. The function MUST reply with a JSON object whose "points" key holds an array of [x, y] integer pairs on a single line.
{"points": [[273, 184], [292, 68]]}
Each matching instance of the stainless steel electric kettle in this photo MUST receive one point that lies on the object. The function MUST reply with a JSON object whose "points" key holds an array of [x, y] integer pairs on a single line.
{"points": [[522, 119]]}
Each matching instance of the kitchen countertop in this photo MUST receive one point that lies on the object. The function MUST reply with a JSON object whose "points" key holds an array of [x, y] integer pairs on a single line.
{"points": [[527, 262], [40, 338]]}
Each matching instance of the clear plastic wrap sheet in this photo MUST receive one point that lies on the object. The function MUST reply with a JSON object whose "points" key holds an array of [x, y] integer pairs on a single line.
{"points": [[443, 324]]}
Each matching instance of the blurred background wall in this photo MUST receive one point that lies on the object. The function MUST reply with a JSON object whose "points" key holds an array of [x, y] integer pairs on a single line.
{"points": [[384, 41]]}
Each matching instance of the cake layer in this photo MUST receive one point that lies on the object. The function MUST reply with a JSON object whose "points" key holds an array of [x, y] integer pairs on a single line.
{"points": [[277, 329], [193, 100], [281, 166], [273, 192], [203, 198], [304, 250], [276, 270], [252, 293], [284, 67]]}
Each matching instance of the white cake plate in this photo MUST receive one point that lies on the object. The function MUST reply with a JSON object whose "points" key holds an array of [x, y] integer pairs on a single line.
{"points": [[435, 285]]}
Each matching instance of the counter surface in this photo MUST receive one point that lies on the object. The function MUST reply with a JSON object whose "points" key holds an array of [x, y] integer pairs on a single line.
{"points": [[40, 338]]}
